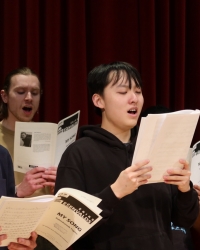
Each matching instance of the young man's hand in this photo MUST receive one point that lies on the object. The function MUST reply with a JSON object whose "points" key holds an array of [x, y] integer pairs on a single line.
{"points": [[50, 176], [131, 178], [2, 237], [32, 181], [24, 244], [179, 177]]}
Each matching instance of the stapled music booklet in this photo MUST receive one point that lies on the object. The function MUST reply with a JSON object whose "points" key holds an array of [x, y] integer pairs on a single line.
{"points": [[41, 143], [61, 219]]}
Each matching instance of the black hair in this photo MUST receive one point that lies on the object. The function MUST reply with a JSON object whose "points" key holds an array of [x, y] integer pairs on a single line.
{"points": [[158, 109], [99, 77]]}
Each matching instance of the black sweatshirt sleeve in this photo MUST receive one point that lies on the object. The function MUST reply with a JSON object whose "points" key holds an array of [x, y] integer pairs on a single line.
{"points": [[185, 207], [70, 174]]}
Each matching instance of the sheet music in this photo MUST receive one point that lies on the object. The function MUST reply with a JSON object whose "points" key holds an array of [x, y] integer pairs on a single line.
{"points": [[165, 139], [61, 219], [14, 219]]}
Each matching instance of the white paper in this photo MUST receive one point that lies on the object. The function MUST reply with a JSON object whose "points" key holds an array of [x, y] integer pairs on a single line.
{"points": [[165, 138], [47, 143], [70, 219], [61, 219], [19, 217], [66, 134]]}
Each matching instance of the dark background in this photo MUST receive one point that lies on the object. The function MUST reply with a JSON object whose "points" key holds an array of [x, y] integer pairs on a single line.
{"points": [[62, 40]]}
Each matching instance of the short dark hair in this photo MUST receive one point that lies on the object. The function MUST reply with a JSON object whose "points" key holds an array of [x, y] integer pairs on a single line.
{"points": [[98, 78], [157, 109], [6, 86]]}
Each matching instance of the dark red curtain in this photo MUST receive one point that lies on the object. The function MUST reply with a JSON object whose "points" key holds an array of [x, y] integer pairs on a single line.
{"points": [[63, 40]]}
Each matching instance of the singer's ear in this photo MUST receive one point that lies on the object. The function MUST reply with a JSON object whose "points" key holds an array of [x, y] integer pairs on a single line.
{"points": [[4, 96], [98, 101]]}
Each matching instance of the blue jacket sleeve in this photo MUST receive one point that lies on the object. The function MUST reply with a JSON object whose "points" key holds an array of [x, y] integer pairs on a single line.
{"points": [[7, 182]]}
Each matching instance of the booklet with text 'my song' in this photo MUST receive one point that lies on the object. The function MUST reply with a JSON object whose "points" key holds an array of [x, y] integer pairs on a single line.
{"points": [[61, 219], [164, 139], [41, 143]]}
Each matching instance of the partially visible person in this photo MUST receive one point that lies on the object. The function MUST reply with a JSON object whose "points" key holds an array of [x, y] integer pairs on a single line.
{"points": [[156, 109], [7, 188], [182, 239], [195, 230], [20, 101], [197, 188], [135, 216]]}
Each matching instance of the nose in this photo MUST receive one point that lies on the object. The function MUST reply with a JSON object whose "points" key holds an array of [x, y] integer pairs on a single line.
{"points": [[28, 96], [133, 97]]}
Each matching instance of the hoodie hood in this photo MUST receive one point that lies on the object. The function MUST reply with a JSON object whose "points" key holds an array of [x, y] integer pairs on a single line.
{"points": [[98, 133]]}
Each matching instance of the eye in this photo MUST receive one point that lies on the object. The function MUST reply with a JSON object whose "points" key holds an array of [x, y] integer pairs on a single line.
{"points": [[122, 89], [35, 93], [138, 91], [20, 92]]}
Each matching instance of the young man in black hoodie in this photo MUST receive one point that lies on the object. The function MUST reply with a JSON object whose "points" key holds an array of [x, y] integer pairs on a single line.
{"points": [[135, 216]]}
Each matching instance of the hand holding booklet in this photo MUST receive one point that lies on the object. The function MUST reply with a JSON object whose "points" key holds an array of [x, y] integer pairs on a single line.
{"points": [[61, 219], [164, 139], [41, 143]]}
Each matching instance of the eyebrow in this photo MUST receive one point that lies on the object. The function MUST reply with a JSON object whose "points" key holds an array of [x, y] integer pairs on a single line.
{"points": [[134, 86], [25, 87], [122, 85]]}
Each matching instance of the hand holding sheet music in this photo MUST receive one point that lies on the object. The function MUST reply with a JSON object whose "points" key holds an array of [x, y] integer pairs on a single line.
{"points": [[164, 139]]}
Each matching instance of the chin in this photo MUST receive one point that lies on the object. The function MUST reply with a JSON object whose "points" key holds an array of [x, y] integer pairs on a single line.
{"points": [[26, 119], [130, 126], [133, 123]]}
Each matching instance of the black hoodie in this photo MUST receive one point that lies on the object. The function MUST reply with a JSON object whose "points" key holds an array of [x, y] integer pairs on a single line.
{"points": [[141, 220]]}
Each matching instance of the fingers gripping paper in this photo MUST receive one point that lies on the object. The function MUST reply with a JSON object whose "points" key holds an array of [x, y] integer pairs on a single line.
{"points": [[164, 139]]}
